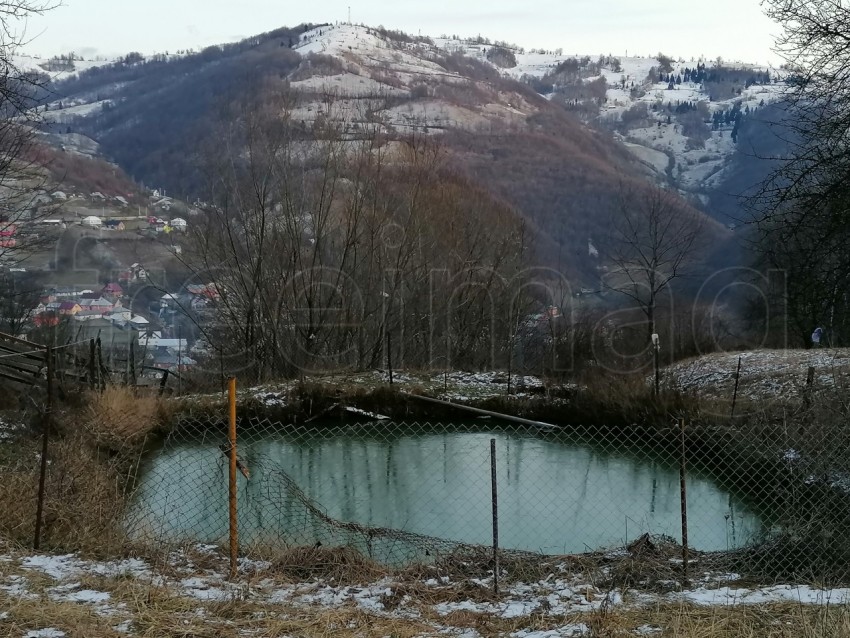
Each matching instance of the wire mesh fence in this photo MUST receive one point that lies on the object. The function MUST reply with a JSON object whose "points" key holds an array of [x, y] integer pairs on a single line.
{"points": [[760, 500]]}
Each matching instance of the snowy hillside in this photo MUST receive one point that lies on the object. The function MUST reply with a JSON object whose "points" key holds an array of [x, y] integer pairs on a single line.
{"points": [[378, 68], [658, 141], [52, 68], [416, 84]]}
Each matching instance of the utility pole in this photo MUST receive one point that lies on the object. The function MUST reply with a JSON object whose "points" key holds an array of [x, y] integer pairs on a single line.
{"points": [[349, 14]]}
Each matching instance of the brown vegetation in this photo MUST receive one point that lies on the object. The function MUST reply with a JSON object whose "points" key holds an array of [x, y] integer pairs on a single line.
{"points": [[84, 174], [94, 453]]}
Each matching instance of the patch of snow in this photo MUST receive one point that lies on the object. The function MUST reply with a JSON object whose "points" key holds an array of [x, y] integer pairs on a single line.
{"points": [[765, 374], [573, 629], [802, 594], [7, 430], [372, 415], [56, 567], [49, 632]]}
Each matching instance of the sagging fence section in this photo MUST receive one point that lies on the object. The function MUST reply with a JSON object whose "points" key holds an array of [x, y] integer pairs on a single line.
{"points": [[766, 501]]}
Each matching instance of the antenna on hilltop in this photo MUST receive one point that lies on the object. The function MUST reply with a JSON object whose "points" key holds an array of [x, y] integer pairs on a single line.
{"points": [[349, 14]]}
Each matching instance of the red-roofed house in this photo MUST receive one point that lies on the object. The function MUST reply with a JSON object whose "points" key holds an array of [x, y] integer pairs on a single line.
{"points": [[46, 319], [112, 289]]}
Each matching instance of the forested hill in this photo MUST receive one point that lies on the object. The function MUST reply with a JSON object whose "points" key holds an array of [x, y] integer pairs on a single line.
{"points": [[157, 119]]}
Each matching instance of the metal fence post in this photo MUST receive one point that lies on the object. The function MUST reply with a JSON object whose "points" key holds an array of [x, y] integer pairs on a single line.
{"points": [[132, 380], [390, 355], [494, 489], [684, 504], [92, 380], [100, 368], [48, 418], [735, 393], [234, 541]]}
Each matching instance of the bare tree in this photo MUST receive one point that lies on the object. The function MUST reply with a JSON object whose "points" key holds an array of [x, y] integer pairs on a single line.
{"points": [[655, 238], [322, 242], [21, 174], [802, 209]]}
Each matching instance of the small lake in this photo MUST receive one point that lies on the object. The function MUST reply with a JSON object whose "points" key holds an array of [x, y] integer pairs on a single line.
{"points": [[558, 493]]}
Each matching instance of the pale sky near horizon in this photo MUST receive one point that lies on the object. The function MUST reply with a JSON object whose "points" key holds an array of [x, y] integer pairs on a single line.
{"points": [[733, 29]]}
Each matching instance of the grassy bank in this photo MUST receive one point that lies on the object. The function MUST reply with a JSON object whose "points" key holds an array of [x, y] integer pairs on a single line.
{"points": [[188, 595]]}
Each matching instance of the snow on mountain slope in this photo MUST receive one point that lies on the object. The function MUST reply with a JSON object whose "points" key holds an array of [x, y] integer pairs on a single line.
{"points": [[401, 83], [373, 66], [660, 144], [32, 64]]}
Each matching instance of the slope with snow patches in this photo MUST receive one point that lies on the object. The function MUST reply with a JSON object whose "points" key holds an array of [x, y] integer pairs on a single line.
{"points": [[376, 68], [35, 64], [661, 147], [66, 595], [404, 84]]}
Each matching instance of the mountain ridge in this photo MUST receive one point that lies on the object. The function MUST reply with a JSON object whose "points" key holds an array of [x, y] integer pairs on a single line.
{"points": [[151, 118]]}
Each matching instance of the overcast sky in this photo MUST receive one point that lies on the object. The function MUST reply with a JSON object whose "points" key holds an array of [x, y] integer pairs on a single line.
{"points": [[733, 29]]}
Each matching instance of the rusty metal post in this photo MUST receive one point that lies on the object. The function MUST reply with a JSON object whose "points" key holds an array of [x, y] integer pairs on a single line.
{"points": [[494, 488], [234, 534], [42, 479], [683, 487]]}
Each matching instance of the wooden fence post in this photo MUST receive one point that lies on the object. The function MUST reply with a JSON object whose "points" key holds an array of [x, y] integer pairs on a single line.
{"points": [[92, 355], [48, 419]]}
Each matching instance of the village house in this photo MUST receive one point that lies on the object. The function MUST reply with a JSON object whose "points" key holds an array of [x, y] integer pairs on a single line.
{"points": [[119, 315], [63, 292], [152, 343], [102, 305], [88, 315], [135, 273], [69, 308], [112, 290], [46, 320], [173, 362], [139, 322]]}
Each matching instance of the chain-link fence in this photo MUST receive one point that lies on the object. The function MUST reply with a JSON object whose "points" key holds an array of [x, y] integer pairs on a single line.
{"points": [[761, 499]]}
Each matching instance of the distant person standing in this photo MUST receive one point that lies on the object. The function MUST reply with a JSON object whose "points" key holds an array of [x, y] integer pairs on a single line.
{"points": [[817, 337]]}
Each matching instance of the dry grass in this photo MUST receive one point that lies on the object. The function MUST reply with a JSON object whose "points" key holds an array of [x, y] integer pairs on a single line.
{"points": [[93, 454], [157, 611], [84, 496], [337, 565], [154, 605], [119, 419]]}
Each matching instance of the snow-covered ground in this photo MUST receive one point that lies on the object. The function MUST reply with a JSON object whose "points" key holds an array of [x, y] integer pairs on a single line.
{"points": [[29, 63], [463, 387], [44, 595], [765, 374]]}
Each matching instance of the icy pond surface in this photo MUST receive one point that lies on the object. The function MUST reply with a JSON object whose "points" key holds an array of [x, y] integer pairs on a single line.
{"points": [[556, 493]]}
